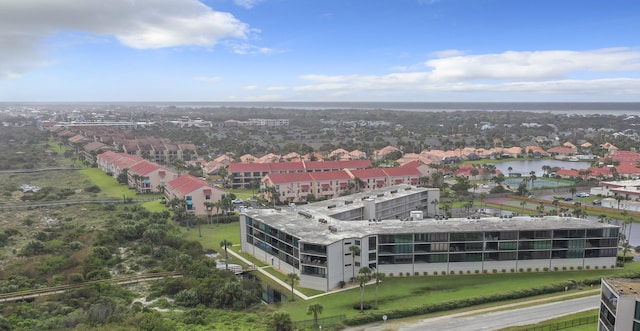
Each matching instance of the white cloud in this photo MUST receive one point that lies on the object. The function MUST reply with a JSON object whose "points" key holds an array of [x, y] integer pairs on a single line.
{"points": [[543, 72], [248, 4], [142, 24], [540, 65], [207, 79], [277, 88], [245, 49]]}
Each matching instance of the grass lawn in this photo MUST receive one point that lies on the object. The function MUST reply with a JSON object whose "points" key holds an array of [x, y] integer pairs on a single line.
{"points": [[407, 292], [549, 324], [154, 206], [109, 186], [213, 234], [244, 194]]}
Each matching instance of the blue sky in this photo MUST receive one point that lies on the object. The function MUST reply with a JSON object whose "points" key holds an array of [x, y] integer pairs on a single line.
{"points": [[319, 50]]}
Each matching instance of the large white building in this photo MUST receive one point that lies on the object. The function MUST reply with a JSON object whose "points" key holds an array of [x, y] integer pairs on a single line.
{"points": [[386, 225], [619, 305]]}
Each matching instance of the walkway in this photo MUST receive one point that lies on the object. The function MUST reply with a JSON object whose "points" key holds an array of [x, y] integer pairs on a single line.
{"points": [[288, 286]]}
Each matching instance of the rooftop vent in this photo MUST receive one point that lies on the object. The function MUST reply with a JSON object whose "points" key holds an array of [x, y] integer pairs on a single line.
{"points": [[331, 206], [407, 188], [305, 214], [348, 202], [394, 191], [333, 229], [380, 195], [322, 220]]}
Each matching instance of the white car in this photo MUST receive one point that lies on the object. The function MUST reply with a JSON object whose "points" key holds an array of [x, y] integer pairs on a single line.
{"points": [[582, 195]]}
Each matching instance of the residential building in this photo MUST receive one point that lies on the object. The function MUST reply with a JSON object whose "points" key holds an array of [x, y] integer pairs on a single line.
{"points": [[116, 163], [386, 225], [194, 192], [149, 177], [246, 175], [619, 305]]}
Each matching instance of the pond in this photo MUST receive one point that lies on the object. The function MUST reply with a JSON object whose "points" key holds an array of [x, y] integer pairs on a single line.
{"points": [[525, 167]]}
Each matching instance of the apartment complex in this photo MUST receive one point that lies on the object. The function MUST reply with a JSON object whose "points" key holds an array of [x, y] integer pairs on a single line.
{"points": [[392, 237], [619, 305], [244, 175]]}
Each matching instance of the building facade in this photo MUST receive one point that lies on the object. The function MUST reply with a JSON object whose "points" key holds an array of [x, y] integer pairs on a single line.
{"points": [[619, 305], [315, 241]]}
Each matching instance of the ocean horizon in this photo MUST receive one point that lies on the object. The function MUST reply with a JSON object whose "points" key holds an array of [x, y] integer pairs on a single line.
{"points": [[603, 108]]}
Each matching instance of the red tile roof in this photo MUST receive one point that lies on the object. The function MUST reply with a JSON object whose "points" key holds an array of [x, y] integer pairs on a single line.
{"points": [[186, 184], [144, 167], [369, 173]]}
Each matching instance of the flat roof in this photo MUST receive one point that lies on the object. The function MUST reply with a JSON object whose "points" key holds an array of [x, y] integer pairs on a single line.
{"points": [[624, 286], [354, 201], [313, 231]]}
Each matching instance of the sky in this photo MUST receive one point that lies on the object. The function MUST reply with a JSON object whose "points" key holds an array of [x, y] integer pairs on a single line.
{"points": [[319, 50]]}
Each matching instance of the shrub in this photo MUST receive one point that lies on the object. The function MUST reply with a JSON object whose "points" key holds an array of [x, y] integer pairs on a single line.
{"points": [[342, 284], [416, 273], [555, 268], [76, 278], [537, 269], [400, 274], [513, 270], [391, 274], [495, 271], [521, 270], [588, 267], [579, 267], [504, 270], [452, 272], [545, 269], [528, 269], [564, 268], [425, 273], [478, 271]]}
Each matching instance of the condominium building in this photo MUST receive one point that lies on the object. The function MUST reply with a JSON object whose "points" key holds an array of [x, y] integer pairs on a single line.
{"points": [[392, 237], [619, 305]]}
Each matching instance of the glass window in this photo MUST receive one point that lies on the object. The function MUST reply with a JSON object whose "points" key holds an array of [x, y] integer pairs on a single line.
{"points": [[637, 313], [372, 243]]}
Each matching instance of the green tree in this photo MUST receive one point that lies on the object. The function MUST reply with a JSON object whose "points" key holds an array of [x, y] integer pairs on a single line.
{"points": [[355, 250], [362, 280], [292, 279], [225, 244], [315, 310], [573, 191], [379, 277], [281, 321]]}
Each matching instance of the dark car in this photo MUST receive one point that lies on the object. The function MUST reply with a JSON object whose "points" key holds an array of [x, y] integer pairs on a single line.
{"points": [[596, 202], [568, 199]]}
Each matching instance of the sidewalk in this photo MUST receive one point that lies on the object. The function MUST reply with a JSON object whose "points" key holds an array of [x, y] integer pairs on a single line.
{"points": [[288, 286]]}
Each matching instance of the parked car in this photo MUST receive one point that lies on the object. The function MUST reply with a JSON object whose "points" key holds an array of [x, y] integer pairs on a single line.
{"points": [[582, 195], [568, 199], [237, 201], [596, 202]]}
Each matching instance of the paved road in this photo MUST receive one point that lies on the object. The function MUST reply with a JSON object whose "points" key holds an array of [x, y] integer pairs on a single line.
{"points": [[489, 320], [503, 319]]}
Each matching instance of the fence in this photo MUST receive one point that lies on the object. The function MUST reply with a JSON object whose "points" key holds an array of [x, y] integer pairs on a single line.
{"points": [[327, 323], [563, 325]]}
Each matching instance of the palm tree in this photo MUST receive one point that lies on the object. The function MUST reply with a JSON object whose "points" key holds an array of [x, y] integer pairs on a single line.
{"points": [[355, 250], [555, 203], [509, 169], [602, 218], [618, 198], [532, 178], [292, 279], [378, 276], [315, 310], [362, 280], [281, 321], [435, 204], [224, 244], [573, 191], [208, 206]]}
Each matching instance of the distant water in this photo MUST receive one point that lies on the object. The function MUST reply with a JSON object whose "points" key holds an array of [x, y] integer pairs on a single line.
{"points": [[613, 108], [579, 108]]}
